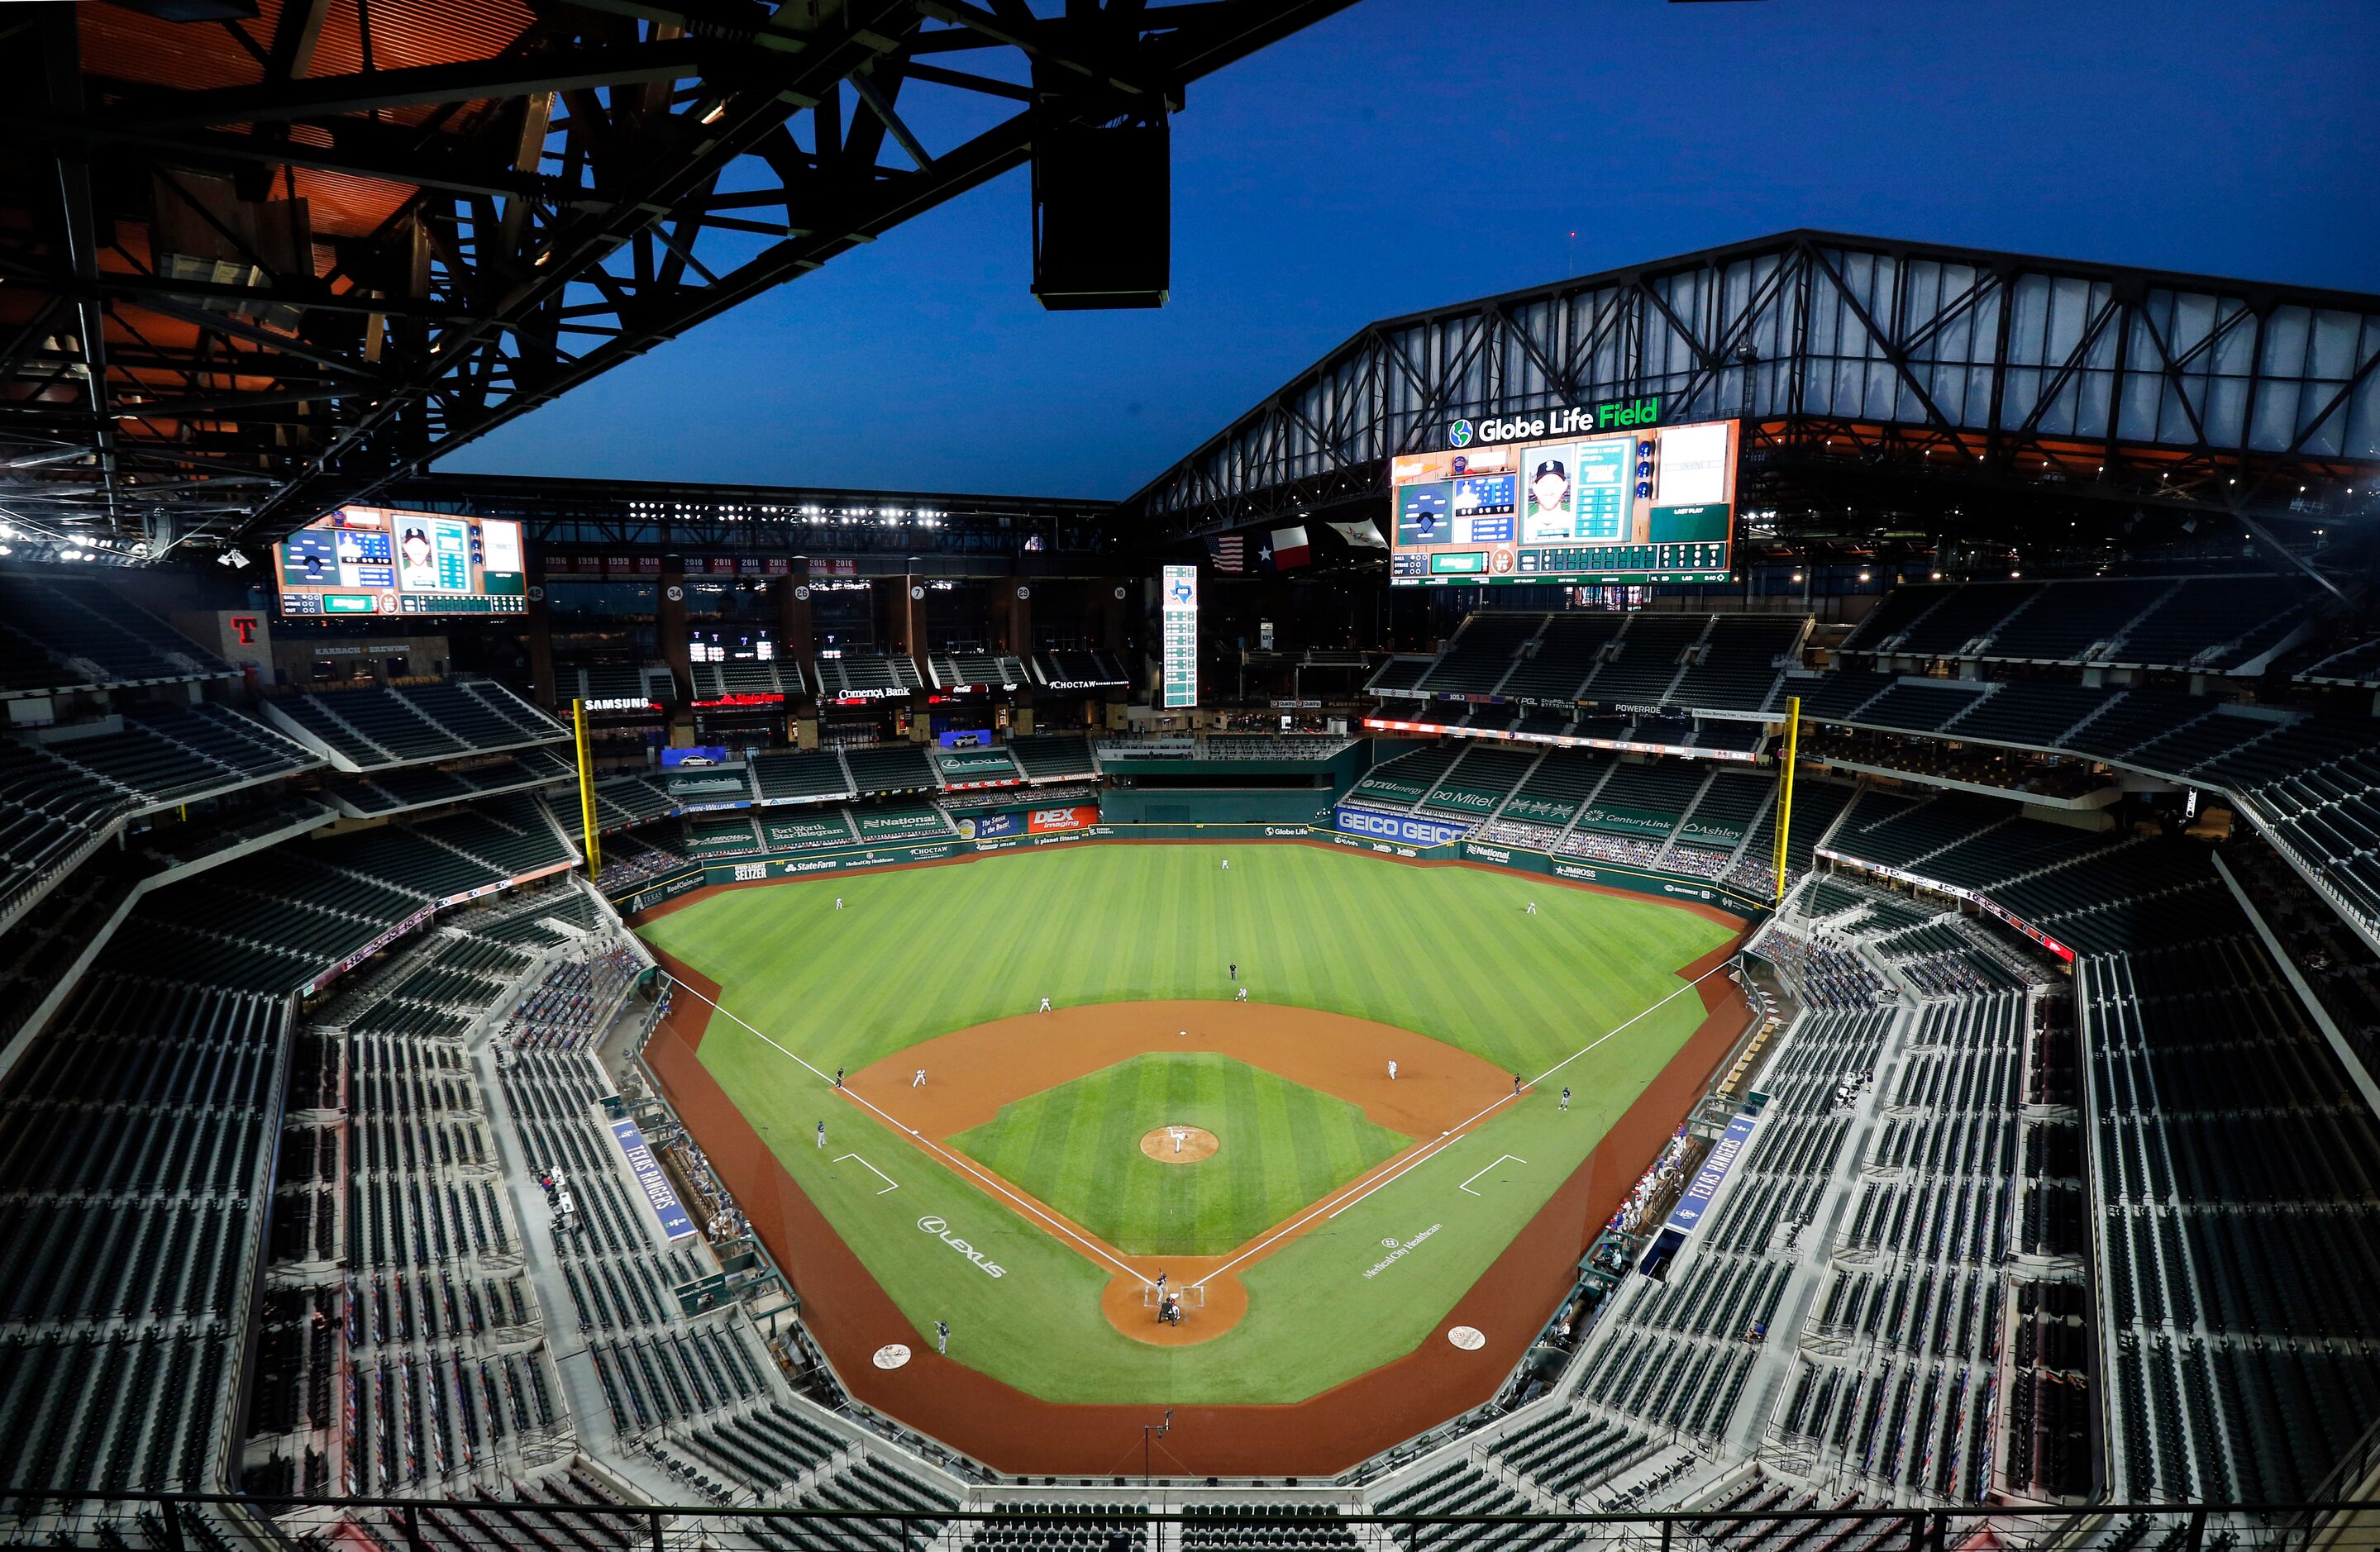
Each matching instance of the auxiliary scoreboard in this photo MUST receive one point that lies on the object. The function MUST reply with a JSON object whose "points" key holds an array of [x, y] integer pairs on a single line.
{"points": [[377, 561], [1595, 495]]}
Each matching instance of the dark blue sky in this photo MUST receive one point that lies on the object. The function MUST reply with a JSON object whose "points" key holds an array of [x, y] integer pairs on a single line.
{"points": [[1407, 153]]}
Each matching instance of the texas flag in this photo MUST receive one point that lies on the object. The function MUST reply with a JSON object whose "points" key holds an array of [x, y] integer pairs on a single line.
{"points": [[1289, 548]]}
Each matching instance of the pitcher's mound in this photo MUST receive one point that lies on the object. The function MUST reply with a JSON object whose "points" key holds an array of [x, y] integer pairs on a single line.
{"points": [[1180, 1145]]}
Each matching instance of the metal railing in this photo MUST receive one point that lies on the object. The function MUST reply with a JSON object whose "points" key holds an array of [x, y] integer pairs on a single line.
{"points": [[1161, 1518]]}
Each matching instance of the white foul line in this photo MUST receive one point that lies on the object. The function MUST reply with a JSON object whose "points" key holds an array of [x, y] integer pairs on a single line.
{"points": [[990, 1183], [892, 1184], [1457, 1133], [1499, 1159]]}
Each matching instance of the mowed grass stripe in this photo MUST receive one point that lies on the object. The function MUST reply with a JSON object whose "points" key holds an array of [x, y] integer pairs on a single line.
{"points": [[1446, 952], [1077, 1148]]}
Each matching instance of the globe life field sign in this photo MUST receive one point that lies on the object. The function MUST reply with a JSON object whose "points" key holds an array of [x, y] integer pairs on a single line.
{"points": [[1590, 495]]}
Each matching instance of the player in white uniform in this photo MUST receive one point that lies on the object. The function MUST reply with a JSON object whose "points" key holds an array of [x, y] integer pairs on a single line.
{"points": [[1393, 1071]]}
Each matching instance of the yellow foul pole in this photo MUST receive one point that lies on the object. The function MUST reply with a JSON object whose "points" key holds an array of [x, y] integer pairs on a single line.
{"points": [[585, 788], [1785, 789]]}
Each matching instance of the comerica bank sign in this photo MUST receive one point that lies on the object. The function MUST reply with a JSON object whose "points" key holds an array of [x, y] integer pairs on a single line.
{"points": [[1619, 414]]}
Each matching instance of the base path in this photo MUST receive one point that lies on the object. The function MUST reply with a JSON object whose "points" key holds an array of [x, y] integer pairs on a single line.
{"points": [[848, 1311], [970, 1074]]}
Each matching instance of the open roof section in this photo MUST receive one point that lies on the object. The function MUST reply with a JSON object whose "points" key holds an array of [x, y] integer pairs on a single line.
{"points": [[1962, 368], [258, 265]]}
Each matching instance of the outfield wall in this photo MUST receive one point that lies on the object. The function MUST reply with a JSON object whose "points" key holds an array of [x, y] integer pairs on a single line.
{"points": [[1683, 888]]}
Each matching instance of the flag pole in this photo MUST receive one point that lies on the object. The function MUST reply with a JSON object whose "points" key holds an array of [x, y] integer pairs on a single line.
{"points": [[586, 789], [1785, 790]]}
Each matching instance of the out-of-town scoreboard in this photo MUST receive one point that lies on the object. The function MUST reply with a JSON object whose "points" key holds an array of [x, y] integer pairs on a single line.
{"points": [[1592, 494], [1181, 617]]}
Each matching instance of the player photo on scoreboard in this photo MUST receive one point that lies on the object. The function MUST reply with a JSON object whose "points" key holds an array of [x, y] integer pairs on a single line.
{"points": [[1548, 493]]}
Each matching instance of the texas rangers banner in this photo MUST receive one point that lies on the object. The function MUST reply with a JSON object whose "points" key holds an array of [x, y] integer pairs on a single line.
{"points": [[1705, 1183], [660, 1195]]}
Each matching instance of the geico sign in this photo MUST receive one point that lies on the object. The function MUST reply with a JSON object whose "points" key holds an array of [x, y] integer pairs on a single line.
{"points": [[1371, 824], [941, 1231]]}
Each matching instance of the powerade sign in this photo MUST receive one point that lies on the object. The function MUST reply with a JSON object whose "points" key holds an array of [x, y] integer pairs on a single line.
{"points": [[1618, 415], [660, 1195], [1705, 1183], [1398, 827]]}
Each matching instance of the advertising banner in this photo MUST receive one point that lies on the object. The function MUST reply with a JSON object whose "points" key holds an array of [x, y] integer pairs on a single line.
{"points": [[1711, 833], [1705, 1183], [1041, 821], [1407, 828], [676, 1221], [1518, 859], [695, 755], [990, 827], [1628, 821]]}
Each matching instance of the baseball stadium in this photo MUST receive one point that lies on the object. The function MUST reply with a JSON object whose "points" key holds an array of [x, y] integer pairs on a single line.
{"points": [[1729, 904]]}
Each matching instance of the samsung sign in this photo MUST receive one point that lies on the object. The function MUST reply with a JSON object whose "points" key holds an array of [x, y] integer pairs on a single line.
{"points": [[1619, 414], [1398, 827]]}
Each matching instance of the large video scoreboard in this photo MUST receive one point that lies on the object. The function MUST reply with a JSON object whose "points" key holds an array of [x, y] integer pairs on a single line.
{"points": [[1599, 494], [377, 560]]}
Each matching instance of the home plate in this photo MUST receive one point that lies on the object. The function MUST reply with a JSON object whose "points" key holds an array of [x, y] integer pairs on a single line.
{"points": [[1468, 1337], [892, 1355]]}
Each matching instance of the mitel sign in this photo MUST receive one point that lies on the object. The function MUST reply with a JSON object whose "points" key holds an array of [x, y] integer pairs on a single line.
{"points": [[1617, 414]]}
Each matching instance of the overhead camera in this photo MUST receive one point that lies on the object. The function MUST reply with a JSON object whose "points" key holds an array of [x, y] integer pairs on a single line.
{"points": [[232, 558]]}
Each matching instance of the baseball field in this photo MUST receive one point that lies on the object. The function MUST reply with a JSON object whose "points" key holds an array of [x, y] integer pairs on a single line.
{"points": [[1027, 1176]]}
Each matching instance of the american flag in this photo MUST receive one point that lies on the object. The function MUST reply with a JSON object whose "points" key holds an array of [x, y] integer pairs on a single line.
{"points": [[1228, 552]]}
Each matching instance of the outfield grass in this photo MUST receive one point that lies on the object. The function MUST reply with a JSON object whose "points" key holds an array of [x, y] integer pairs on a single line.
{"points": [[1077, 1148], [1447, 952]]}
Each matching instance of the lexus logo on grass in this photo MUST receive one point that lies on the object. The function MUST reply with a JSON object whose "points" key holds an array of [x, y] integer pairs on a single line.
{"points": [[941, 1229]]}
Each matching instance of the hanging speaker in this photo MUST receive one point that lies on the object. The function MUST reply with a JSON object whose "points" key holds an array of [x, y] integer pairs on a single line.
{"points": [[1102, 215]]}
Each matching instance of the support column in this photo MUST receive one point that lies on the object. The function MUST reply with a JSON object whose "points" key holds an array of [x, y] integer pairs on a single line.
{"points": [[911, 613], [669, 625], [1018, 591], [1110, 605], [798, 649], [797, 635], [538, 627]]}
